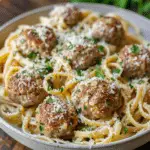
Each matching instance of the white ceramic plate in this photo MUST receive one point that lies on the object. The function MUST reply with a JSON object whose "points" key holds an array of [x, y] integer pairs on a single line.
{"points": [[32, 17]]}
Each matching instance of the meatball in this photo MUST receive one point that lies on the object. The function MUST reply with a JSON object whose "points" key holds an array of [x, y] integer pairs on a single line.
{"points": [[96, 98], [26, 87], [136, 61], [36, 39], [70, 14], [83, 56], [56, 118], [147, 96], [109, 29]]}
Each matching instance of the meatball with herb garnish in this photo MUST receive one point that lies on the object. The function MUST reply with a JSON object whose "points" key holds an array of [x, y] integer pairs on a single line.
{"points": [[109, 29], [136, 61], [36, 39], [26, 87], [81, 52], [56, 118], [96, 98], [70, 14]]}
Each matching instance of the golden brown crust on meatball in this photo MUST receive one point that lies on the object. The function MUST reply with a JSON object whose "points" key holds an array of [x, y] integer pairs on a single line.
{"points": [[97, 98], [82, 57], [70, 14], [26, 89], [39, 39], [110, 30], [136, 61], [147, 96], [58, 118]]}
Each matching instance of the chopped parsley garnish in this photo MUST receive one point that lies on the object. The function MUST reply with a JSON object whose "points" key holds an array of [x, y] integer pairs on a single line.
{"points": [[34, 33], [22, 41], [50, 100], [135, 49], [32, 55], [98, 62], [24, 71], [101, 48], [79, 110], [108, 102], [49, 88], [99, 73], [121, 63], [92, 40], [87, 128], [67, 59], [61, 89], [79, 72], [85, 107], [70, 46], [141, 81], [48, 68], [131, 86], [116, 71], [17, 76], [78, 90], [59, 110], [41, 127], [125, 130], [112, 79]]}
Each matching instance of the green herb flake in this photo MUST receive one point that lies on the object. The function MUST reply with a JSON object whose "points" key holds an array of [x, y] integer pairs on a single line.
{"points": [[49, 68], [116, 71], [98, 62], [121, 63], [70, 46], [99, 73], [49, 88], [112, 79], [59, 110], [61, 89], [125, 130], [17, 76], [22, 41], [140, 81], [41, 127], [92, 40], [50, 100], [79, 110], [135, 49], [131, 86], [108, 103], [34, 33], [79, 72], [85, 107], [32, 55], [87, 128], [101, 48]]}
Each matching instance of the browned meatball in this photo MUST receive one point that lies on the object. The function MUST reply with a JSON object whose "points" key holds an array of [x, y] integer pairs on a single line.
{"points": [[136, 61], [70, 14], [83, 56], [26, 88], [147, 96], [96, 98], [56, 118], [109, 29], [38, 39]]}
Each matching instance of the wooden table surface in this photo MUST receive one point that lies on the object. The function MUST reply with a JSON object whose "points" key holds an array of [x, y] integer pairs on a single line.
{"points": [[8, 10]]}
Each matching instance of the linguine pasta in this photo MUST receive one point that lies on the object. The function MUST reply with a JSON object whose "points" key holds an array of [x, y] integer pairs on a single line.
{"points": [[132, 117]]}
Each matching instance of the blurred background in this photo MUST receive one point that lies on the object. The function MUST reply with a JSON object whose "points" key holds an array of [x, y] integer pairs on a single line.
{"points": [[12, 8]]}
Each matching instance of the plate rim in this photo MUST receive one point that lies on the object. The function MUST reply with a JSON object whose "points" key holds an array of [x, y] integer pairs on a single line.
{"points": [[70, 145]]}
